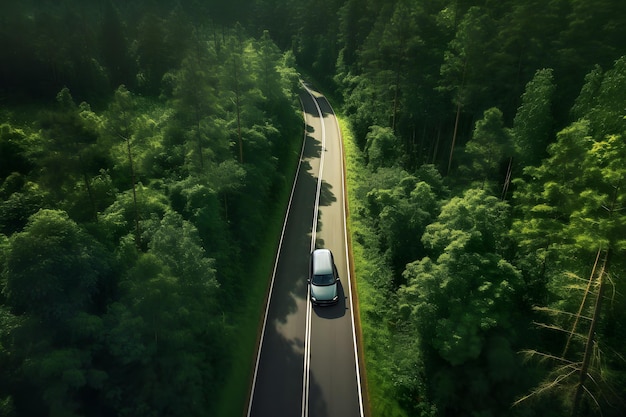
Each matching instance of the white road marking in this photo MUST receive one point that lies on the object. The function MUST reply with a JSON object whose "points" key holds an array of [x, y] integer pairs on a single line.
{"points": [[345, 230], [307, 351], [269, 297], [307, 336]]}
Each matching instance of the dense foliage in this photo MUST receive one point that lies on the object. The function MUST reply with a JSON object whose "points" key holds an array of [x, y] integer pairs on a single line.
{"points": [[123, 222], [490, 209]]}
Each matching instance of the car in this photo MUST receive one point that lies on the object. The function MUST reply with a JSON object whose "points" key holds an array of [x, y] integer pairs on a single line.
{"points": [[323, 278]]}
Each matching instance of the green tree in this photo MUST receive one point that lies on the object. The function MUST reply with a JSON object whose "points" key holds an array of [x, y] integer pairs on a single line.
{"points": [[490, 144], [402, 213], [463, 66], [13, 151], [114, 47], [543, 204], [588, 96], [242, 69], [119, 219], [278, 18], [533, 124], [572, 216], [269, 61], [315, 29], [120, 124], [197, 106], [352, 32], [382, 147], [367, 93], [589, 38], [176, 242], [62, 374], [19, 199], [63, 278], [400, 41], [162, 41], [205, 204], [165, 327], [607, 116], [71, 156], [54, 272], [459, 301], [152, 53], [522, 48]]}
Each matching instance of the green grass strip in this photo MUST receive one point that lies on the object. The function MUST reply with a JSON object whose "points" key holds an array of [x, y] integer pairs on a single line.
{"points": [[367, 263]]}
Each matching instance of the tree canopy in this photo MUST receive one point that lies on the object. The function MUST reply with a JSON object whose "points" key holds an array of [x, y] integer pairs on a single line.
{"points": [[126, 201], [143, 144]]}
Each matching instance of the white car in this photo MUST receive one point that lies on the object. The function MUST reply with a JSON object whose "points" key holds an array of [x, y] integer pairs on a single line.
{"points": [[323, 278]]}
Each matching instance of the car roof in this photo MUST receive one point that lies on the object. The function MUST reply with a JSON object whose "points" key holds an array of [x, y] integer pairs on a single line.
{"points": [[322, 262]]}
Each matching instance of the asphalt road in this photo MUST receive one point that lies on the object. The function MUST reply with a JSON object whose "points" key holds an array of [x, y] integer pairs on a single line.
{"points": [[307, 361]]}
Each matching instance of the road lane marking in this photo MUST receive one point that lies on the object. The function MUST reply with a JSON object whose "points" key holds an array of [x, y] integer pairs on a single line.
{"points": [[345, 231], [307, 342], [269, 297], [349, 278], [307, 336]]}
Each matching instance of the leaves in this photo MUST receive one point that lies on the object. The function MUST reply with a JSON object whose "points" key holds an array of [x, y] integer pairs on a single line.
{"points": [[53, 268], [576, 195], [110, 297], [382, 147], [491, 143], [532, 126], [167, 308], [467, 290]]}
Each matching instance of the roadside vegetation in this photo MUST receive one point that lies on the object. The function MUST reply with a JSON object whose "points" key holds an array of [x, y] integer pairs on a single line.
{"points": [[140, 204], [372, 275], [146, 149], [485, 215]]}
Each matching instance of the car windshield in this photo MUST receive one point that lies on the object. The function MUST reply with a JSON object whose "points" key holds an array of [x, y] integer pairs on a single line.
{"points": [[326, 279]]}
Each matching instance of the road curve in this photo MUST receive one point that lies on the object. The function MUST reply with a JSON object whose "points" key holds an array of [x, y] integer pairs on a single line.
{"points": [[306, 361]]}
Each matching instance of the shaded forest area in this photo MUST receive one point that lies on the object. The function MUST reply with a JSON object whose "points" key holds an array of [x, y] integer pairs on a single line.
{"points": [[141, 144], [489, 220]]}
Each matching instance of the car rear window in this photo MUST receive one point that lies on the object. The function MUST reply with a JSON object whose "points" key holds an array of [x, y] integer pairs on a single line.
{"points": [[326, 279]]}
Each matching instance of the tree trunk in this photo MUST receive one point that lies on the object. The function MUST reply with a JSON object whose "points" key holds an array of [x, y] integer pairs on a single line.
{"points": [[459, 104], [590, 339], [456, 126], [582, 303], [436, 144], [507, 180]]}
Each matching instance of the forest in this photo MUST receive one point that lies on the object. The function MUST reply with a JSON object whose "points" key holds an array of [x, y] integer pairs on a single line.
{"points": [[140, 154], [142, 144]]}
